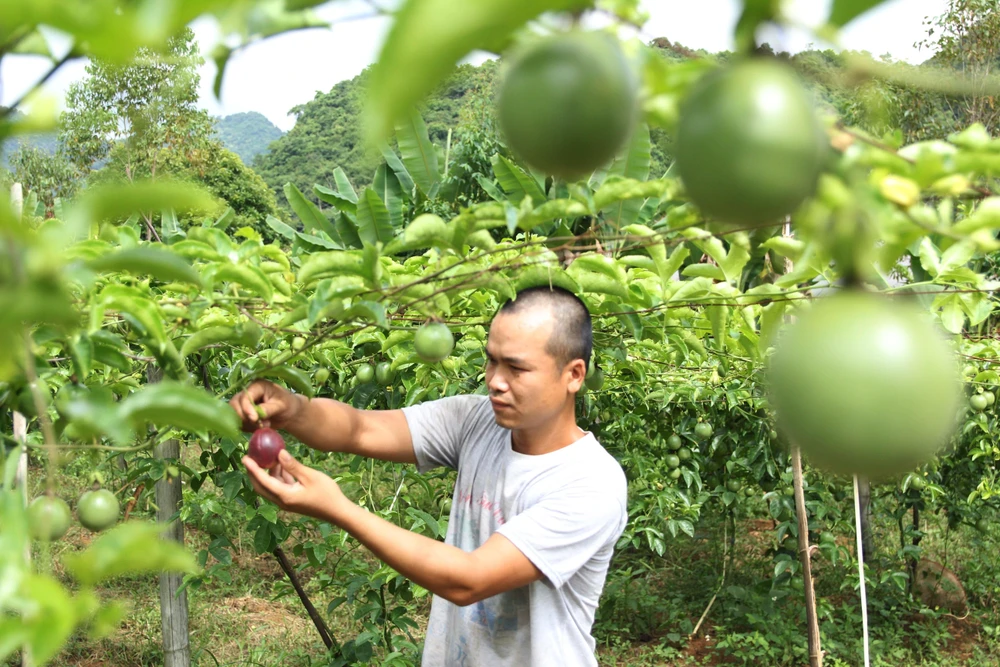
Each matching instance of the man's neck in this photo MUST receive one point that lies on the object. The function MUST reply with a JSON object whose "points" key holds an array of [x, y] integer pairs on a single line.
{"points": [[554, 435]]}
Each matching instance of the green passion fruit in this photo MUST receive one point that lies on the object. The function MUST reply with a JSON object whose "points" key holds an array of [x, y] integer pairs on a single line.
{"points": [[365, 373], [749, 144], [98, 510], [384, 374], [978, 402], [865, 385], [595, 381], [674, 442], [567, 104], [48, 518], [433, 342], [703, 430]]}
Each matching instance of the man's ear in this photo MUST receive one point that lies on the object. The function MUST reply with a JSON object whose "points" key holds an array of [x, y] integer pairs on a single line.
{"points": [[577, 371]]}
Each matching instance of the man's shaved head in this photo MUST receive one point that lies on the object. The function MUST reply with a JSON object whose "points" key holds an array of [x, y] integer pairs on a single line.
{"points": [[572, 333]]}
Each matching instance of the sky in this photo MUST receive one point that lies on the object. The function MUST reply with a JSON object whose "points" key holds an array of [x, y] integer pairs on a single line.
{"points": [[273, 76]]}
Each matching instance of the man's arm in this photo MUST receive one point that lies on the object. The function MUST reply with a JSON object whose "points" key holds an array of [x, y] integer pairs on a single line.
{"points": [[461, 577], [458, 576], [332, 426], [326, 424]]}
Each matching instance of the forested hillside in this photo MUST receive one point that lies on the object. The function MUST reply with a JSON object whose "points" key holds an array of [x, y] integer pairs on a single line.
{"points": [[248, 134], [328, 131]]}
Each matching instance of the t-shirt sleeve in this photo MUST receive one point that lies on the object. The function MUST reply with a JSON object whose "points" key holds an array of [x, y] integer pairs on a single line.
{"points": [[564, 531], [439, 429]]}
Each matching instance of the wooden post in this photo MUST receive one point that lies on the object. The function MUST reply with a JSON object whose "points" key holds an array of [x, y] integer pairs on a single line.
{"points": [[864, 497], [802, 519], [812, 620], [21, 424], [173, 605]]}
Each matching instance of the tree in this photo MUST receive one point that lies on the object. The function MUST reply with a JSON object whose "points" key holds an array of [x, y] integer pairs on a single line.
{"points": [[966, 37], [127, 115], [141, 120], [48, 176]]}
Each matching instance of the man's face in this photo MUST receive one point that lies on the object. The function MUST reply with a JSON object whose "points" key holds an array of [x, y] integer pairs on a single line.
{"points": [[527, 385]]}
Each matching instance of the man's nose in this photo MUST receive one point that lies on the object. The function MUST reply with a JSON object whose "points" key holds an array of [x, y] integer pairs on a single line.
{"points": [[497, 383]]}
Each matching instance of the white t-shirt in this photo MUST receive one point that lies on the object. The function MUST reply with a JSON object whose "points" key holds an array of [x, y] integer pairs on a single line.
{"points": [[564, 510]]}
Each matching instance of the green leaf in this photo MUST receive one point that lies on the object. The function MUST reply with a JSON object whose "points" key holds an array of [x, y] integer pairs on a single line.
{"points": [[344, 185], [538, 276], [633, 163], [389, 190], [598, 263], [248, 276], [144, 315], [623, 189], [956, 256], [425, 231], [394, 163], [81, 349], [428, 38], [844, 11], [170, 227], [490, 188], [192, 249], [373, 219], [32, 44], [313, 242], [293, 377], [224, 220], [772, 316], [341, 202], [114, 202], [312, 218], [516, 182], [599, 283], [785, 246], [952, 313], [206, 337], [52, 619], [703, 271], [130, 548], [280, 228], [159, 263], [93, 413], [176, 405], [367, 311], [551, 210], [418, 153], [347, 227], [110, 350], [220, 56], [336, 262]]}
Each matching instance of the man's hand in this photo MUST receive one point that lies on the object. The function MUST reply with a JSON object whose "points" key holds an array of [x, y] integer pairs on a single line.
{"points": [[298, 488], [280, 406]]}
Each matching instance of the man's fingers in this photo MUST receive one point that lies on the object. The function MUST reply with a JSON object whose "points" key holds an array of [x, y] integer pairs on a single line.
{"points": [[259, 477]]}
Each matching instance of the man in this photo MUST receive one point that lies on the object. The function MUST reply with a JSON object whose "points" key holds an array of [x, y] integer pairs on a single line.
{"points": [[538, 503]]}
